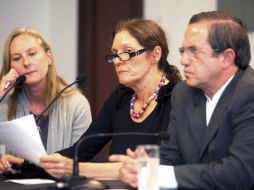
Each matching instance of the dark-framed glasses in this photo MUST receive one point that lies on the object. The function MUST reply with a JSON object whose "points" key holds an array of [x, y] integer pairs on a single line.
{"points": [[124, 56]]}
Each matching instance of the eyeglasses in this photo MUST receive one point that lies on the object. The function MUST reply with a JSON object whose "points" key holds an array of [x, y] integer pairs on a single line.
{"points": [[193, 51], [124, 56]]}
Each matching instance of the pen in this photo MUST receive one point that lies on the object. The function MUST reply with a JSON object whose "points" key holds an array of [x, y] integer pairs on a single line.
{"points": [[7, 85], [8, 165]]}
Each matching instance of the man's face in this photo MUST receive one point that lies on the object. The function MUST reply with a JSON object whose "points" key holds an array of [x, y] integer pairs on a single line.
{"points": [[202, 67]]}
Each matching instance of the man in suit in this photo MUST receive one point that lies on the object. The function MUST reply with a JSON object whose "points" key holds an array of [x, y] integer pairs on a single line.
{"points": [[211, 143]]}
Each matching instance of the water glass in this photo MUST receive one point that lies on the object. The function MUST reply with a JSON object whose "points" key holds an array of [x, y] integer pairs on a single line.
{"points": [[148, 166]]}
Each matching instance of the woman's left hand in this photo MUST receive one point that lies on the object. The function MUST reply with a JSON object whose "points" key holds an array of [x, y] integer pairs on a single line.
{"points": [[57, 165]]}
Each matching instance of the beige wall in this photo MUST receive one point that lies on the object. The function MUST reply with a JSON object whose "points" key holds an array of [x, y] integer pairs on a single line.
{"points": [[55, 19]]}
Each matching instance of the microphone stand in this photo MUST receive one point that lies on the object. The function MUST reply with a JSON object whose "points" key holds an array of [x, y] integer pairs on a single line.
{"points": [[2, 98], [78, 182], [75, 162], [79, 79]]}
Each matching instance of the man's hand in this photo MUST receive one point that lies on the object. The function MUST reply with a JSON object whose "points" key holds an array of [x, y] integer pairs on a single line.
{"points": [[128, 171]]}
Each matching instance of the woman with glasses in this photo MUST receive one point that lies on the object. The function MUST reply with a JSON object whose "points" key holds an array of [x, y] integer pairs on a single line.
{"points": [[141, 103]]}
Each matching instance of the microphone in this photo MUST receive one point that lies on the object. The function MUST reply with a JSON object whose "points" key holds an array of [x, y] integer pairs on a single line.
{"points": [[92, 184], [19, 83], [80, 78]]}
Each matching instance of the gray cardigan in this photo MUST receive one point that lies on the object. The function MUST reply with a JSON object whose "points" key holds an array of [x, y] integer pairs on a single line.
{"points": [[70, 118]]}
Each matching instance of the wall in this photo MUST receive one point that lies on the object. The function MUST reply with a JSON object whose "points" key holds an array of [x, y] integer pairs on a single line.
{"points": [[55, 19], [173, 16]]}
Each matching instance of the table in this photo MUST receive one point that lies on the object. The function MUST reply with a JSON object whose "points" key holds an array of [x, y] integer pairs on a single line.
{"points": [[113, 184]]}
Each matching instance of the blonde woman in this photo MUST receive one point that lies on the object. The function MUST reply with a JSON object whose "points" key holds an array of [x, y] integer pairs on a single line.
{"points": [[27, 53]]}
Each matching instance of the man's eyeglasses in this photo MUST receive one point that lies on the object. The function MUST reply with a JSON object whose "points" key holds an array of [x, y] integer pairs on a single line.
{"points": [[124, 56], [193, 51]]}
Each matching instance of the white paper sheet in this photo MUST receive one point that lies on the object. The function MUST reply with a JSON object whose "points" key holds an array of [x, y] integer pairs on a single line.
{"points": [[21, 136], [31, 181]]}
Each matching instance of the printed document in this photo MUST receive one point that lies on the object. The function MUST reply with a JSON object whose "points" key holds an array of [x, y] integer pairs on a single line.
{"points": [[22, 137]]}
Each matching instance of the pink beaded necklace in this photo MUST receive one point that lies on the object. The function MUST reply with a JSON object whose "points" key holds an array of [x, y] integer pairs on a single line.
{"points": [[144, 107]]}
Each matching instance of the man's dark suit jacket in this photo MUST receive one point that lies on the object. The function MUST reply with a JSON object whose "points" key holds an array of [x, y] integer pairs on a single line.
{"points": [[220, 155]]}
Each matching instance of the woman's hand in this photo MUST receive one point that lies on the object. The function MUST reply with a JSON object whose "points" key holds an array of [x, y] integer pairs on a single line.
{"points": [[128, 171], [7, 81], [7, 160], [57, 165]]}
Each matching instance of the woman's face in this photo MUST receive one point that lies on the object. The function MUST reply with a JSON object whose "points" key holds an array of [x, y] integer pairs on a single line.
{"points": [[132, 71], [29, 58]]}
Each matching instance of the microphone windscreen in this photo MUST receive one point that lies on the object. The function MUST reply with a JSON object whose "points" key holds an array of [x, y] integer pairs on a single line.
{"points": [[20, 80], [81, 78]]}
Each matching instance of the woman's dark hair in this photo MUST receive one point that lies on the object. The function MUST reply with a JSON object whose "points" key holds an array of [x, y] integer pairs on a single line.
{"points": [[226, 31], [149, 34]]}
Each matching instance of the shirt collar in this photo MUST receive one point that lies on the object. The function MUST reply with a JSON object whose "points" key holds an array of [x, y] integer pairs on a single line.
{"points": [[218, 94]]}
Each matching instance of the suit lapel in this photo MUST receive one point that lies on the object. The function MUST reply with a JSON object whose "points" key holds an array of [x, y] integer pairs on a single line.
{"points": [[217, 116], [219, 112], [198, 125]]}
